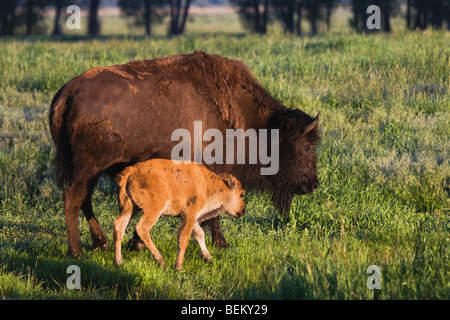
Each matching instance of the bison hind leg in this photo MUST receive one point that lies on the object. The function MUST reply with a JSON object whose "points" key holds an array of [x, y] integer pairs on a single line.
{"points": [[98, 237], [98, 148]]}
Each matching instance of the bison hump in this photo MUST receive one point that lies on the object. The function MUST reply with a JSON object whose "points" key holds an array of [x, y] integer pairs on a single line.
{"points": [[213, 76]]}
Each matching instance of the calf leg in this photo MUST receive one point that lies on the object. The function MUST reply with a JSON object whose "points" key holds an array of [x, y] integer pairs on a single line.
{"points": [[148, 219], [121, 223], [199, 235], [183, 239]]}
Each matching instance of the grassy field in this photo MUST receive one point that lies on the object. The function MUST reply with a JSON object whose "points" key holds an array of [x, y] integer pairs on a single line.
{"points": [[383, 166]]}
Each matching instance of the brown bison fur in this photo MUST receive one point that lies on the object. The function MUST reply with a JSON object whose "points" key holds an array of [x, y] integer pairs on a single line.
{"points": [[189, 191], [110, 117]]}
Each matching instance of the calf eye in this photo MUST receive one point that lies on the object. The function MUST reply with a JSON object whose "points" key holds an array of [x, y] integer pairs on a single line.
{"points": [[308, 148], [242, 195]]}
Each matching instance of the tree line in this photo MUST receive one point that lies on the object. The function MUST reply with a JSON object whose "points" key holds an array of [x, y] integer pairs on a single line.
{"points": [[257, 14], [26, 16]]}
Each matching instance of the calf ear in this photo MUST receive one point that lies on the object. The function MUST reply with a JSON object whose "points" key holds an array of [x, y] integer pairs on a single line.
{"points": [[229, 181], [311, 126]]}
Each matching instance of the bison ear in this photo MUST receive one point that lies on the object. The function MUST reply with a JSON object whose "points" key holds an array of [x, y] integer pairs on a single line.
{"points": [[290, 123], [289, 128], [311, 126]]}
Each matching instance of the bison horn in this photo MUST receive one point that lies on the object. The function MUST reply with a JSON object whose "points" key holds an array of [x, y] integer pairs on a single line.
{"points": [[311, 126]]}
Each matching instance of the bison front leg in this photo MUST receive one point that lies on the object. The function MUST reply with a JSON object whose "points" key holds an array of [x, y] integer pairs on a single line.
{"points": [[135, 243], [216, 233]]}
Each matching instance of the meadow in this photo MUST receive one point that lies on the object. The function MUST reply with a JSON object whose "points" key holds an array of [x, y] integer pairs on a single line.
{"points": [[383, 166]]}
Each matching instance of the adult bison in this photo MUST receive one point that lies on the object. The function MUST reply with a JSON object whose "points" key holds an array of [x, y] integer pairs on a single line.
{"points": [[110, 117]]}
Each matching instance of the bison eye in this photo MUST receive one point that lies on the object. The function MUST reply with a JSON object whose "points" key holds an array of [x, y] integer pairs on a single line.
{"points": [[241, 195], [308, 148]]}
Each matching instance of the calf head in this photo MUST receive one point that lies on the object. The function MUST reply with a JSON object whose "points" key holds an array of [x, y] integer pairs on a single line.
{"points": [[233, 203]]}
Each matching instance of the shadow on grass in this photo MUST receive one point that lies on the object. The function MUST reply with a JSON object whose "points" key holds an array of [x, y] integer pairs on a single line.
{"points": [[50, 276]]}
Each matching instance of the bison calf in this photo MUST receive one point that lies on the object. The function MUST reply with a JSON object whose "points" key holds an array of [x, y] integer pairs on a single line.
{"points": [[161, 187]]}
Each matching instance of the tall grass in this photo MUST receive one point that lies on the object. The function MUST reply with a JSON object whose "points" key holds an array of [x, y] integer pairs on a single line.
{"points": [[383, 166]]}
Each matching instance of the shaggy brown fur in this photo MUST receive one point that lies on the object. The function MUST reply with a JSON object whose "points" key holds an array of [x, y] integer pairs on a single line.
{"points": [[111, 117], [189, 191]]}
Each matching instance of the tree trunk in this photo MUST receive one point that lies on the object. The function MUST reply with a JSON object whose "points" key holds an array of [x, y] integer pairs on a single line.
{"points": [[437, 9], [386, 18], [175, 16], [298, 25], [256, 17], [263, 27], [417, 19], [172, 17], [147, 13], [93, 23], [29, 17], [424, 21], [287, 13], [363, 17], [56, 26], [448, 16], [185, 14], [355, 20], [313, 17], [291, 15], [408, 14], [328, 10], [8, 17]]}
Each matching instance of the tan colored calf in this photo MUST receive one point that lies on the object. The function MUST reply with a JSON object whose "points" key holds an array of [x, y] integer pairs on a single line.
{"points": [[161, 187]]}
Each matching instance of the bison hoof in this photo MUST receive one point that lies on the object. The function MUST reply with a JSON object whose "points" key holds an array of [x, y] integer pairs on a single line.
{"points": [[75, 254], [135, 245], [221, 244], [100, 244]]}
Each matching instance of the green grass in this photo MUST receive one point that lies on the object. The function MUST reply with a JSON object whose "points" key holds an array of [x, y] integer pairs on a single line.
{"points": [[383, 166]]}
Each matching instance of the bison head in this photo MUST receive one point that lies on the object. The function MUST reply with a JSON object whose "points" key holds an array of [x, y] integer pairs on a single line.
{"points": [[299, 136]]}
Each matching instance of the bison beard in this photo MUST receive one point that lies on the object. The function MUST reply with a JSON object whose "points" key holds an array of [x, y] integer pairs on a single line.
{"points": [[283, 200], [110, 117]]}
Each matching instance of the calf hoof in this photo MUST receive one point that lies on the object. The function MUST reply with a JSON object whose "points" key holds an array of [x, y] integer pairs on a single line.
{"points": [[118, 262], [178, 267]]}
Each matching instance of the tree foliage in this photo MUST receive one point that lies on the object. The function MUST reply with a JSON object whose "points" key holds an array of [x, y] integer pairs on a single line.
{"points": [[27, 16], [256, 14], [143, 12]]}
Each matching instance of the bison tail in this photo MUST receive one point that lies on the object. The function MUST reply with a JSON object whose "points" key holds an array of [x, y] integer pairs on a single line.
{"points": [[63, 166]]}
